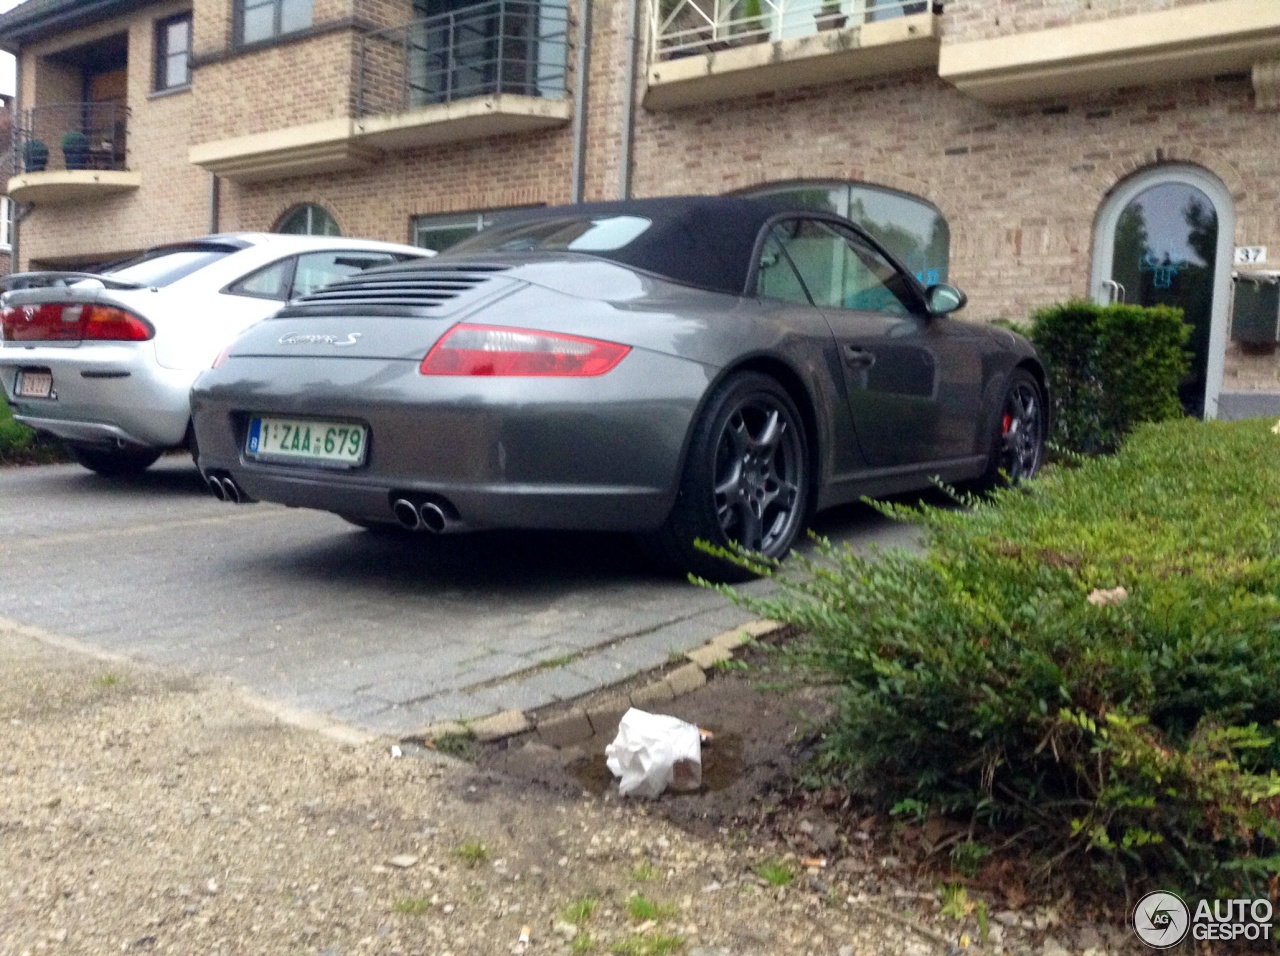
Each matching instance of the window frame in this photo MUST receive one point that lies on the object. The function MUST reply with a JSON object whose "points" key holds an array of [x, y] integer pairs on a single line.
{"points": [[161, 54], [310, 209], [483, 218], [277, 33], [845, 230]]}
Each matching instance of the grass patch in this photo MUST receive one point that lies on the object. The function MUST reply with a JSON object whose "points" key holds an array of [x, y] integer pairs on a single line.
{"points": [[561, 661], [582, 943], [411, 905], [20, 445], [644, 872], [459, 746], [660, 945], [106, 680], [641, 909], [579, 911], [775, 873], [472, 853]]}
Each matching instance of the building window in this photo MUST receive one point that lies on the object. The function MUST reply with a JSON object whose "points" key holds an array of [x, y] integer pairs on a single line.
{"points": [[6, 224], [309, 220], [909, 227], [173, 52], [438, 233], [261, 20]]}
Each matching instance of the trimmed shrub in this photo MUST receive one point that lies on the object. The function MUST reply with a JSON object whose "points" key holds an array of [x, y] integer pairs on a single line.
{"points": [[1110, 368], [18, 443], [1001, 676]]}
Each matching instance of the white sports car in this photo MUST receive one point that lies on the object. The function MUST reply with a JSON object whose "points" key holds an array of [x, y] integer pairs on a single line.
{"points": [[105, 362]]}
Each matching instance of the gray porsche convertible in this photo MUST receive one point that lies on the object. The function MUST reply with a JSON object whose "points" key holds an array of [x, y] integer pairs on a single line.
{"points": [[713, 368]]}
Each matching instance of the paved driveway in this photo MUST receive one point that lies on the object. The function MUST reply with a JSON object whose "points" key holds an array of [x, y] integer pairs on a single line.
{"points": [[382, 632]]}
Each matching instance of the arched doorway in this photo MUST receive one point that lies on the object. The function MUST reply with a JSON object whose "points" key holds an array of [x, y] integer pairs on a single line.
{"points": [[1164, 237]]}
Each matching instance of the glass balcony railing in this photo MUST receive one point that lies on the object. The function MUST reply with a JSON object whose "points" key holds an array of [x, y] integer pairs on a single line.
{"points": [[503, 46], [70, 136], [691, 27]]}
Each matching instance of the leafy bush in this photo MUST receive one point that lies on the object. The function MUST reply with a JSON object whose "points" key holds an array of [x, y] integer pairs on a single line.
{"points": [[18, 443], [1111, 368], [1002, 677]]}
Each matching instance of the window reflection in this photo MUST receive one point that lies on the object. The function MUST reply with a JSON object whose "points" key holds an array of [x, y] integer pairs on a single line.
{"points": [[910, 228]]}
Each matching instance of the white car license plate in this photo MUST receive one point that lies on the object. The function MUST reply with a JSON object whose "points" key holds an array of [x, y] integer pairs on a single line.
{"points": [[306, 440], [33, 384]]}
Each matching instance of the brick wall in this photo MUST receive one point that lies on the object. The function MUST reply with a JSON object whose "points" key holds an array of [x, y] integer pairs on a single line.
{"points": [[981, 19], [378, 203]]}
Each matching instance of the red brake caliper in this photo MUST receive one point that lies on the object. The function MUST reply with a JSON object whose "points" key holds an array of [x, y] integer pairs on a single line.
{"points": [[1006, 425]]}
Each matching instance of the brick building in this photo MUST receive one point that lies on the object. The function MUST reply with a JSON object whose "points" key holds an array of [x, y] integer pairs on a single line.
{"points": [[1026, 150]]}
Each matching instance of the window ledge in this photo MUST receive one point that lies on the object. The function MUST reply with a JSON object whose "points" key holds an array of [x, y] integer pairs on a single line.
{"points": [[171, 91]]}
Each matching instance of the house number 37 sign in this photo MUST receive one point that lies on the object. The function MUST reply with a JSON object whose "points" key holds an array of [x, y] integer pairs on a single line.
{"points": [[1250, 255]]}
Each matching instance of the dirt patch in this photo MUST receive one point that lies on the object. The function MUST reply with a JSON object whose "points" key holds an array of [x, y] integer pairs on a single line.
{"points": [[760, 737]]}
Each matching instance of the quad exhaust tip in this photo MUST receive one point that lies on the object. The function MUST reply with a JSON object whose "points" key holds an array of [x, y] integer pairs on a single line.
{"points": [[406, 513], [433, 517], [225, 489], [415, 512]]}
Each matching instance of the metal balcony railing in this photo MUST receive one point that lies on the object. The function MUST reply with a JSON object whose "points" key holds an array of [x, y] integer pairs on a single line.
{"points": [[502, 46], [690, 27], [72, 136]]}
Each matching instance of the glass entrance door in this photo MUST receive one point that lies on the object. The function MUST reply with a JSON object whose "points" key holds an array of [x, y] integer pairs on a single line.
{"points": [[1161, 241]]}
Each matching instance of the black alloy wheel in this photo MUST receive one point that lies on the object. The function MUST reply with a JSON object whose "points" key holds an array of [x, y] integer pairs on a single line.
{"points": [[1018, 452], [746, 479]]}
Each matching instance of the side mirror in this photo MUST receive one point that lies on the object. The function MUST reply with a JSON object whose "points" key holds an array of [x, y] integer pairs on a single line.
{"points": [[943, 299]]}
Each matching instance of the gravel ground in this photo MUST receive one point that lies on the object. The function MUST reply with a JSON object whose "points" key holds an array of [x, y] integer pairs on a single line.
{"points": [[142, 811]]}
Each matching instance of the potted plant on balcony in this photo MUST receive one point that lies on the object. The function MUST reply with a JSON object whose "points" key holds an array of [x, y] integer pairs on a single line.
{"points": [[75, 149], [35, 156], [752, 28], [830, 17]]}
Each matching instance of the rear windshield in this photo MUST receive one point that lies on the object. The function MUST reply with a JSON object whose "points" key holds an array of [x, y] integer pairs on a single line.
{"points": [[568, 234], [165, 266]]}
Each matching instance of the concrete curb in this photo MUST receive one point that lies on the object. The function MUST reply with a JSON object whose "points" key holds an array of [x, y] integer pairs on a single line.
{"points": [[599, 717]]}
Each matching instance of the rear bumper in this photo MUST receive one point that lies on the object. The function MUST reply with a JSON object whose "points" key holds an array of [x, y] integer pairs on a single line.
{"points": [[576, 454], [105, 393]]}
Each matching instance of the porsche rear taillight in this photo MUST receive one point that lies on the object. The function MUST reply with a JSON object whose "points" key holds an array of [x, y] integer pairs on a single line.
{"points": [[490, 350], [62, 322]]}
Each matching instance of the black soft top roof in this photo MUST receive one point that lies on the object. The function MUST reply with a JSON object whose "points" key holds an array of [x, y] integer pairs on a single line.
{"points": [[704, 241]]}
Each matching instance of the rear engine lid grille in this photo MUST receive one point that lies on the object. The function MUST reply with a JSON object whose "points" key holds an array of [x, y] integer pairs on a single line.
{"points": [[430, 290]]}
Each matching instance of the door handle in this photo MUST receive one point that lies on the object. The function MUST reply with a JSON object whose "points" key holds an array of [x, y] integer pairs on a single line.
{"points": [[858, 357]]}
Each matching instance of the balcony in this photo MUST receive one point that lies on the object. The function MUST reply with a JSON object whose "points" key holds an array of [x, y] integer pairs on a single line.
{"points": [[1165, 46], [71, 152], [709, 50], [492, 69]]}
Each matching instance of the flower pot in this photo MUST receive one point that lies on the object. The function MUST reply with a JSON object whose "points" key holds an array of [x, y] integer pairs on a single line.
{"points": [[35, 156], [830, 19]]}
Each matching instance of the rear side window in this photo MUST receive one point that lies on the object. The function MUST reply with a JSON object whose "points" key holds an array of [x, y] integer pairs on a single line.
{"points": [[317, 269], [269, 282], [166, 266]]}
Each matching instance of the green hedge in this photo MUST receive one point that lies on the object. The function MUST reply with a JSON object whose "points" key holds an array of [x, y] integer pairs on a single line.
{"points": [[980, 679], [1110, 368], [18, 443]]}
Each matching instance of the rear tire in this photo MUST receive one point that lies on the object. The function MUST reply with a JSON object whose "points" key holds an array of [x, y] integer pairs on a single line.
{"points": [[114, 462], [1017, 447], [746, 480]]}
